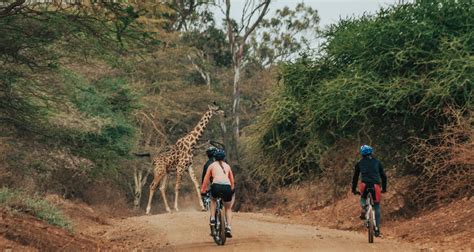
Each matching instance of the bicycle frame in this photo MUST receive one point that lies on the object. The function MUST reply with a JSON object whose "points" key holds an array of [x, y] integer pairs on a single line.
{"points": [[206, 200]]}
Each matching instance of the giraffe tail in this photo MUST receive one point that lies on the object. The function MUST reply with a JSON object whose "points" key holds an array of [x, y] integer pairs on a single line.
{"points": [[142, 154]]}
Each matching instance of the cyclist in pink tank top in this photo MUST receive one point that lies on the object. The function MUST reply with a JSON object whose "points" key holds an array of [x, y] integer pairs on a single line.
{"points": [[222, 187]]}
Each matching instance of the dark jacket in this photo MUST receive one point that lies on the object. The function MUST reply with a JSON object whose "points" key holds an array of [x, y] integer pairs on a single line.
{"points": [[371, 171], [206, 165]]}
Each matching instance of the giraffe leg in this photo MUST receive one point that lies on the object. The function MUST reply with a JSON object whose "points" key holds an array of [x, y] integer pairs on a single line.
{"points": [[153, 186], [177, 186], [196, 185], [163, 192]]}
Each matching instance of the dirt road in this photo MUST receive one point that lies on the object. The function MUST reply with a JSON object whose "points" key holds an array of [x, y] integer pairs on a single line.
{"points": [[188, 231]]}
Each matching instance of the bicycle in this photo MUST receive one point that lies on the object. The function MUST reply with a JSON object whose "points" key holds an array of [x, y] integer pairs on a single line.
{"points": [[218, 230], [206, 200], [370, 222]]}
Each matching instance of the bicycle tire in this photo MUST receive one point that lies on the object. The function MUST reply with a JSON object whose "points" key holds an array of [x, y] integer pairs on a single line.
{"points": [[371, 228], [216, 230], [222, 235]]}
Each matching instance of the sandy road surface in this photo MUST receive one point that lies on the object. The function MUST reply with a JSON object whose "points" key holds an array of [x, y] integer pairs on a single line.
{"points": [[188, 231]]}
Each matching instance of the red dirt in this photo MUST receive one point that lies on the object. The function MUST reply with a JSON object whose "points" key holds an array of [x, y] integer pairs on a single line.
{"points": [[446, 227], [22, 231]]}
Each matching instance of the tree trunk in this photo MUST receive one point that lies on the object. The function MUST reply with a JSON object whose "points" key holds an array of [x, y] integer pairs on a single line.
{"points": [[204, 74], [208, 81], [236, 102], [140, 180]]}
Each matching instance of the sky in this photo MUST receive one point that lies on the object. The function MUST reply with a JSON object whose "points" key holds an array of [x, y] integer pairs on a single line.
{"points": [[329, 11]]}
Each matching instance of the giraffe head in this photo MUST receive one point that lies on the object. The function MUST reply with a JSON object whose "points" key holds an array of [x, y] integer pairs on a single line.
{"points": [[215, 109]]}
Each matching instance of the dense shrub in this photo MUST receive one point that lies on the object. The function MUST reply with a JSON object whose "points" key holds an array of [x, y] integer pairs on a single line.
{"points": [[64, 121], [380, 79]]}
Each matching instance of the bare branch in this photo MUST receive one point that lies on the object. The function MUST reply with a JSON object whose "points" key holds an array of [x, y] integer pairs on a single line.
{"points": [[249, 16], [230, 33], [11, 8], [154, 125], [260, 17]]}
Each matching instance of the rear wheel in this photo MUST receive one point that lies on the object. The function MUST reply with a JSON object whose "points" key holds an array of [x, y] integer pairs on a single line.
{"points": [[216, 231], [371, 227], [222, 226]]}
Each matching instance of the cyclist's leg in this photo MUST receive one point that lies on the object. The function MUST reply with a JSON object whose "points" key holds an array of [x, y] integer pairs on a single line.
{"points": [[228, 212], [362, 202], [377, 214], [233, 200], [214, 195], [213, 208]]}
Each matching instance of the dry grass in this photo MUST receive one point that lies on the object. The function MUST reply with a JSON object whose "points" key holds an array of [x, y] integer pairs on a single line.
{"points": [[447, 160]]}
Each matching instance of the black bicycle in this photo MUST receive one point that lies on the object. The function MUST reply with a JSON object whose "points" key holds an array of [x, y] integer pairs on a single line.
{"points": [[218, 230], [206, 201]]}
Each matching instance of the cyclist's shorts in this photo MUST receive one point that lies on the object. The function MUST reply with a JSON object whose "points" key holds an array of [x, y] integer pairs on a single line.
{"points": [[363, 190], [221, 191]]}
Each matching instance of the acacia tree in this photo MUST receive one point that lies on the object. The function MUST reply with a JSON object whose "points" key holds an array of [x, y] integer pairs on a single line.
{"points": [[283, 35], [237, 34], [186, 12]]}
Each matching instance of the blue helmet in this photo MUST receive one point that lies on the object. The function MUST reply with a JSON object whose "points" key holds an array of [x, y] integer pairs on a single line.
{"points": [[210, 151], [219, 154], [366, 150]]}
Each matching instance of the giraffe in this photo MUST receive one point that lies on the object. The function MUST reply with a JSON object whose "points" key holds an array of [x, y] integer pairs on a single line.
{"points": [[179, 158]]}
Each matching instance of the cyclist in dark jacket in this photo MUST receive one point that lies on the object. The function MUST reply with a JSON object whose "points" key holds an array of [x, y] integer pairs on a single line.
{"points": [[210, 155], [372, 176]]}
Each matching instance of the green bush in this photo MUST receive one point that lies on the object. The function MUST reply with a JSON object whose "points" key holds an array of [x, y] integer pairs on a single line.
{"points": [[35, 206], [379, 79]]}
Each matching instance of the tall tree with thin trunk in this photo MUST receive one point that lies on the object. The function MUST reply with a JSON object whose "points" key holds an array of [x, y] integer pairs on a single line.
{"points": [[252, 15]]}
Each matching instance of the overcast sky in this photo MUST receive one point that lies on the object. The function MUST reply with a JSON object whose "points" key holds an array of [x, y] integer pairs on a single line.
{"points": [[329, 10]]}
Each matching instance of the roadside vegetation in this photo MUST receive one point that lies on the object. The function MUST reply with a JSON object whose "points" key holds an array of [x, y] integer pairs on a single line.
{"points": [[84, 86], [400, 80], [20, 202]]}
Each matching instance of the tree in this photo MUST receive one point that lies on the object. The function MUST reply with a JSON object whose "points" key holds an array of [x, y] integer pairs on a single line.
{"points": [[283, 35], [237, 34], [209, 51], [186, 13]]}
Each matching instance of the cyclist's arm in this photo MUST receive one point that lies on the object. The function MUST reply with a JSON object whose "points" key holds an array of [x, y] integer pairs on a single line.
{"points": [[355, 178], [206, 180], [383, 177], [231, 178], [204, 170]]}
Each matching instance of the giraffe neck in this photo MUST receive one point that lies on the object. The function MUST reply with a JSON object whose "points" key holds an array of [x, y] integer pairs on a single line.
{"points": [[197, 131]]}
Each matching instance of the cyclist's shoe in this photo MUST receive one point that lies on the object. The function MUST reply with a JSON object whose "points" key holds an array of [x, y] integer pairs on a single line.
{"points": [[377, 233], [228, 232], [362, 214]]}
